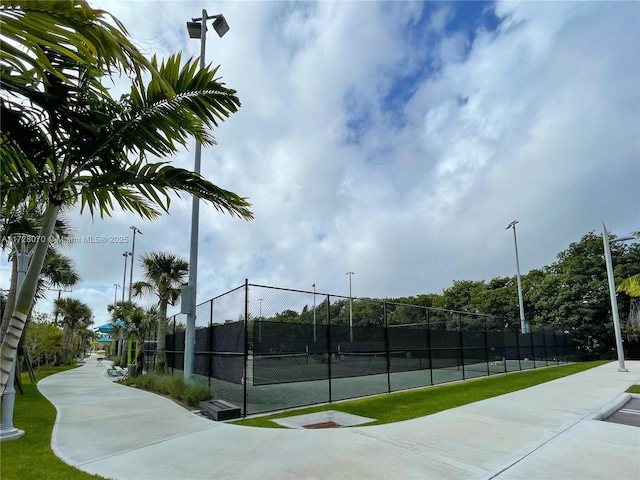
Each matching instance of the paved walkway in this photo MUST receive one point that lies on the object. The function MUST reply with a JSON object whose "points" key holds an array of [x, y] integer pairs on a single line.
{"points": [[544, 432]]}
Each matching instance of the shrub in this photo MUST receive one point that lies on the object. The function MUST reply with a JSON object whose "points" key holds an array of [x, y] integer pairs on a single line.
{"points": [[175, 387]]}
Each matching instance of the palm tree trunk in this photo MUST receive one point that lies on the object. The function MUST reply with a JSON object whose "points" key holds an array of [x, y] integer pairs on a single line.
{"points": [[162, 337], [11, 297], [124, 357], [25, 296], [634, 312], [67, 344]]}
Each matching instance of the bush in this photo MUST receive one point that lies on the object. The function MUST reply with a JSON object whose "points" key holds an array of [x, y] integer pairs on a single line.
{"points": [[175, 387]]}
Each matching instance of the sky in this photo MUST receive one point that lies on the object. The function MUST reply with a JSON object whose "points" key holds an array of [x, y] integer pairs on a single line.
{"points": [[395, 140]]}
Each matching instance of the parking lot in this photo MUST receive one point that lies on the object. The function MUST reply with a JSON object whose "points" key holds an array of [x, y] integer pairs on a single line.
{"points": [[628, 414]]}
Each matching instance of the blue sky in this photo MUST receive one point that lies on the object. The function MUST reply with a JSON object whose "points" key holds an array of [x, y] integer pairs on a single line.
{"points": [[396, 140]]}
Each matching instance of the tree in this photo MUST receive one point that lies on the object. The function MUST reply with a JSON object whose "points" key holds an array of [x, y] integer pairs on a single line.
{"points": [[57, 271], [573, 291], [73, 313], [66, 141], [130, 322], [43, 340], [164, 275]]}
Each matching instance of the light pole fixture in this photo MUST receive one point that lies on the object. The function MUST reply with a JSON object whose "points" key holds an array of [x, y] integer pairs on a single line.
{"points": [[197, 28], [115, 295], [612, 294], [523, 324], [350, 308], [124, 277], [133, 250]]}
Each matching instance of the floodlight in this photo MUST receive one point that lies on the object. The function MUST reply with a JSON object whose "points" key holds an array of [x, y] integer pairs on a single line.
{"points": [[220, 25], [195, 29]]}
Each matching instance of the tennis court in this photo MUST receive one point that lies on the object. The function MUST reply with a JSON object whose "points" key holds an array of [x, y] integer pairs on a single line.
{"points": [[315, 356]]}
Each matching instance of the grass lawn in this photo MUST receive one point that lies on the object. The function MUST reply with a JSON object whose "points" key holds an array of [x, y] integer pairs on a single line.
{"points": [[31, 457], [399, 406], [634, 389]]}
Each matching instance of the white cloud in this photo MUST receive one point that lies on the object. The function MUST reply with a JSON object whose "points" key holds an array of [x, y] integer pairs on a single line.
{"points": [[350, 166]]}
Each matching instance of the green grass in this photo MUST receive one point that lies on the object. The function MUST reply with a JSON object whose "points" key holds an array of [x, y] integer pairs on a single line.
{"points": [[634, 389], [400, 406], [31, 457]]}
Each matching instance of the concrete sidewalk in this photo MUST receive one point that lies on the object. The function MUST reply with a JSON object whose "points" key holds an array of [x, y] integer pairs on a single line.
{"points": [[543, 432]]}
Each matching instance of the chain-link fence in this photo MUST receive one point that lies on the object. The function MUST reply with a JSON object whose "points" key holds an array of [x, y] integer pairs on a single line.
{"points": [[265, 348]]}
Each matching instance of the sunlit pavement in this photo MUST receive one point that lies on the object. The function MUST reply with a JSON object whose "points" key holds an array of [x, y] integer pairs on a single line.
{"points": [[545, 432]]}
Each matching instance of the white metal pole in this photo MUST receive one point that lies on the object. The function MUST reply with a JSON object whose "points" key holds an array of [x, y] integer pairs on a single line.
{"points": [[523, 324], [614, 300], [133, 250], [124, 277], [314, 314], [190, 333], [115, 293], [7, 430]]}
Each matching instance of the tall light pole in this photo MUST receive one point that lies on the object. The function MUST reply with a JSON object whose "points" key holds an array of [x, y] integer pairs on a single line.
{"points": [[124, 277], [197, 28], [314, 313], [523, 324], [115, 295], [612, 294], [350, 308], [133, 250]]}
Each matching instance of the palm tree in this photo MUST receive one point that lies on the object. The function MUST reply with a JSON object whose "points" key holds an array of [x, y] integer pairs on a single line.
{"points": [[73, 313], [127, 319], [65, 140], [164, 274], [58, 270], [631, 286]]}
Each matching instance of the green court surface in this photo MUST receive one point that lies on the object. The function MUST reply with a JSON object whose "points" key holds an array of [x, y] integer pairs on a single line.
{"points": [[269, 392]]}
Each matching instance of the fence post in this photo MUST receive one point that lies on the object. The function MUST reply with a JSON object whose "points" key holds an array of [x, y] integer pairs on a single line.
{"points": [[533, 347], [486, 344], [464, 377], [329, 343], [429, 346], [210, 355], [173, 347], [386, 346], [246, 344], [518, 350], [544, 346]]}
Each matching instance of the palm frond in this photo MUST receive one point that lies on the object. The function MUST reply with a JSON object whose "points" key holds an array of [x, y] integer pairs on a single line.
{"points": [[631, 286], [158, 123]]}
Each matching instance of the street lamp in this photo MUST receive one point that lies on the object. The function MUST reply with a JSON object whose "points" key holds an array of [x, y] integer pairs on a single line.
{"points": [[196, 30], [612, 294], [133, 249], [350, 309], [115, 295], [314, 313], [523, 324], [124, 277]]}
